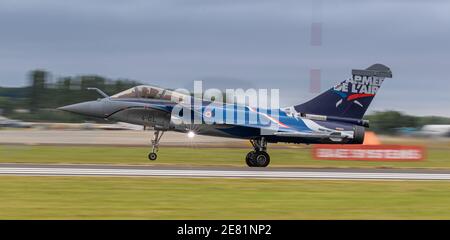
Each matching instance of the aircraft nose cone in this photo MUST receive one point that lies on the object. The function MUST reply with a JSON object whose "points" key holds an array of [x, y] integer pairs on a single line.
{"points": [[92, 108]]}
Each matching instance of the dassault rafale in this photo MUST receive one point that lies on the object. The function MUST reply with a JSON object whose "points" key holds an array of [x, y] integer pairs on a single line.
{"points": [[333, 117]]}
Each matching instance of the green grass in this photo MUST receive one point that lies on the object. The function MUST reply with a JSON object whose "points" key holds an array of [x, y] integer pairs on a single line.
{"points": [[165, 198], [292, 157]]}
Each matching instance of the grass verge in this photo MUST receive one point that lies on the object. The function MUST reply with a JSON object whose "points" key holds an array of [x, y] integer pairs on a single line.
{"points": [[167, 198], [295, 157]]}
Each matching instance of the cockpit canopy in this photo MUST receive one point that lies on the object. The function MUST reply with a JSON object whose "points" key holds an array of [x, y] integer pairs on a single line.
{"points": [[151, 92]]}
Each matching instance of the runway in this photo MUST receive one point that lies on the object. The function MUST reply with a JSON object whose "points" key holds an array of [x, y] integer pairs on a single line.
{"points": [[110, 138], [220, 172]]}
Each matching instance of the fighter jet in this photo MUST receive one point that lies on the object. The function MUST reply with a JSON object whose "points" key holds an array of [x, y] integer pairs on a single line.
{"points": [[333, 117]]}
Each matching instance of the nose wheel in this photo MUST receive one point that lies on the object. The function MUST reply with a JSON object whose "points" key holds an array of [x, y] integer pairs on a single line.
{"points": [[152, 156], [155, 145], [259, 156]]}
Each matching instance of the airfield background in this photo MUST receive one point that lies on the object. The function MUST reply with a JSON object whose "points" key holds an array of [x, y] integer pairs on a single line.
{"points": [[38, 101], [67, 140], [55, 165]]}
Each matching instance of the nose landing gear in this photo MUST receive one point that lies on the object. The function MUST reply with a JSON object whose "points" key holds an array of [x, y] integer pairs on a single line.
{"points": [[155, 145], [259, 156]]}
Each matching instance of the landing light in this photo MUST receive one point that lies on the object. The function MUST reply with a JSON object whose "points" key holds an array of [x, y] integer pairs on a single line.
{"points": [[191, 134]]}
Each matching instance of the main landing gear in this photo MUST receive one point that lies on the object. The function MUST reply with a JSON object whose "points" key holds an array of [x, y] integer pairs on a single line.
{"points": [[155, 145], [259, 156]]}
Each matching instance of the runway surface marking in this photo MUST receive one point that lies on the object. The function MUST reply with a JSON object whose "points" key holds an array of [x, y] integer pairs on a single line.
{"points": [[99, 170]]}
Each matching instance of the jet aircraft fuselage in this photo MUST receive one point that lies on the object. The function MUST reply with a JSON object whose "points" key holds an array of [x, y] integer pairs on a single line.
{"points": [[334, 117]]}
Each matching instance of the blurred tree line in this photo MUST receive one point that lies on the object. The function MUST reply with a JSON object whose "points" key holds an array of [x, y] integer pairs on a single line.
{"points": [[38, 101], [390, 122]]}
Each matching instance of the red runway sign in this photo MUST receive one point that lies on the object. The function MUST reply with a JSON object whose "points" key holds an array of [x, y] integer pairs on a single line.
{"points": [[369, 152]]}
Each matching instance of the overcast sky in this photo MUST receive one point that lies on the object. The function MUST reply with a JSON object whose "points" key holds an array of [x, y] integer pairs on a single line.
{"points": [[228, 43]]}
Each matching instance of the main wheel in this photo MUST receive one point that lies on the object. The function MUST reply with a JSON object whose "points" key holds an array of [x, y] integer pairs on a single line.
{"points": [[249, 159], [152, 156], [257, 159], [261, 159]]}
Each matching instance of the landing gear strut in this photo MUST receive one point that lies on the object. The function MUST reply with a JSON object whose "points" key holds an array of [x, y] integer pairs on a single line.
{"points": [[259, 156], [155, 144]]}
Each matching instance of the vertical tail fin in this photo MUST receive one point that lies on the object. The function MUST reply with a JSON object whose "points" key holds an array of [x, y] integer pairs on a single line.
{"points": [[350, 98]]}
